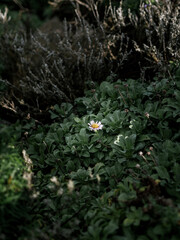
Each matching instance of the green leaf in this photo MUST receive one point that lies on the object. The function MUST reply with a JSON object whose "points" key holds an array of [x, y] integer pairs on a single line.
{"points": [[76, 119], [82, 137], [53, 115], [110, 228], [123, 197], [162, 172], [85, 154], [159, 230], [97, 167], [82, 132], [49, 141], [100, 155], [70, 166], [143, 138], [81, 174], [56, 153], [93, 150], [121, 160], [51, 205], [107, 88], [128, 221], [39, 137]]}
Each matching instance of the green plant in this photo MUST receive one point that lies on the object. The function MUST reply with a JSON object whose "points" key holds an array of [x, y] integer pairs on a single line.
{"points": [[106, 165], [109, 183], [15, 219]]}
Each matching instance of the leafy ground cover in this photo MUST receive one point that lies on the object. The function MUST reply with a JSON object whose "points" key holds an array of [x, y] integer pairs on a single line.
{"points": [[105, 165], [14, 197], [120, 182]]}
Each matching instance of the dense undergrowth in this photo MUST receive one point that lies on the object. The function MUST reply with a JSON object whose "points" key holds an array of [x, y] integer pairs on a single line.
{"points": [[59, 178], [121, 182], [14, 196]]}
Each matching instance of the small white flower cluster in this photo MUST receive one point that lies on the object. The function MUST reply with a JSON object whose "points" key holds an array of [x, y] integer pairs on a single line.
{"points": [[28, 174], [119, 138], [70, 186], [35, 194], [147, 115], [131, 123], [55, 180], [92, 176], [3, 16]]}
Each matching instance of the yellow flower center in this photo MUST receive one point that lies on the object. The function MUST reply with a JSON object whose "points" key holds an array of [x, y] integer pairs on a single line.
{"points": [[94, 125]]}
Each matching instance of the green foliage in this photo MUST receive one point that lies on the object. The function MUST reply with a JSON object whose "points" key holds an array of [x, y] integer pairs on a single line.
{"points": [[121, 182], [109, 183], [14, 211]]}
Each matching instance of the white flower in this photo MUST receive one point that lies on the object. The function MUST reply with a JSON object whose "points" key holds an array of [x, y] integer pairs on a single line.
{"points": [[70, 185], [94, 126], [147, 114], [90, 172], [98, 178], [118, 139], [54, 180], [35, 194], [51, 186], [141, 153], [131, 123], [60, 191], [3, 16], [138, 165]]}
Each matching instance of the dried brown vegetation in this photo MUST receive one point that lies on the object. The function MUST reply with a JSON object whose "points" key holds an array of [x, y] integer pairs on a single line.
{"points": [[55, 66]]}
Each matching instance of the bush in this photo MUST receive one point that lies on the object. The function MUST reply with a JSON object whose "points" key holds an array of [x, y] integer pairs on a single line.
{"points": [[150, 39], [52, 67], [107, 184], [105, 165], [15, 219]]}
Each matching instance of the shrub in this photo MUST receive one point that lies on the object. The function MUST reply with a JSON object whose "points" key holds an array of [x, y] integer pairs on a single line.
{"points": [[151, 38], [108, 184], [51, 68], [47, 68], [15, 219]]}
